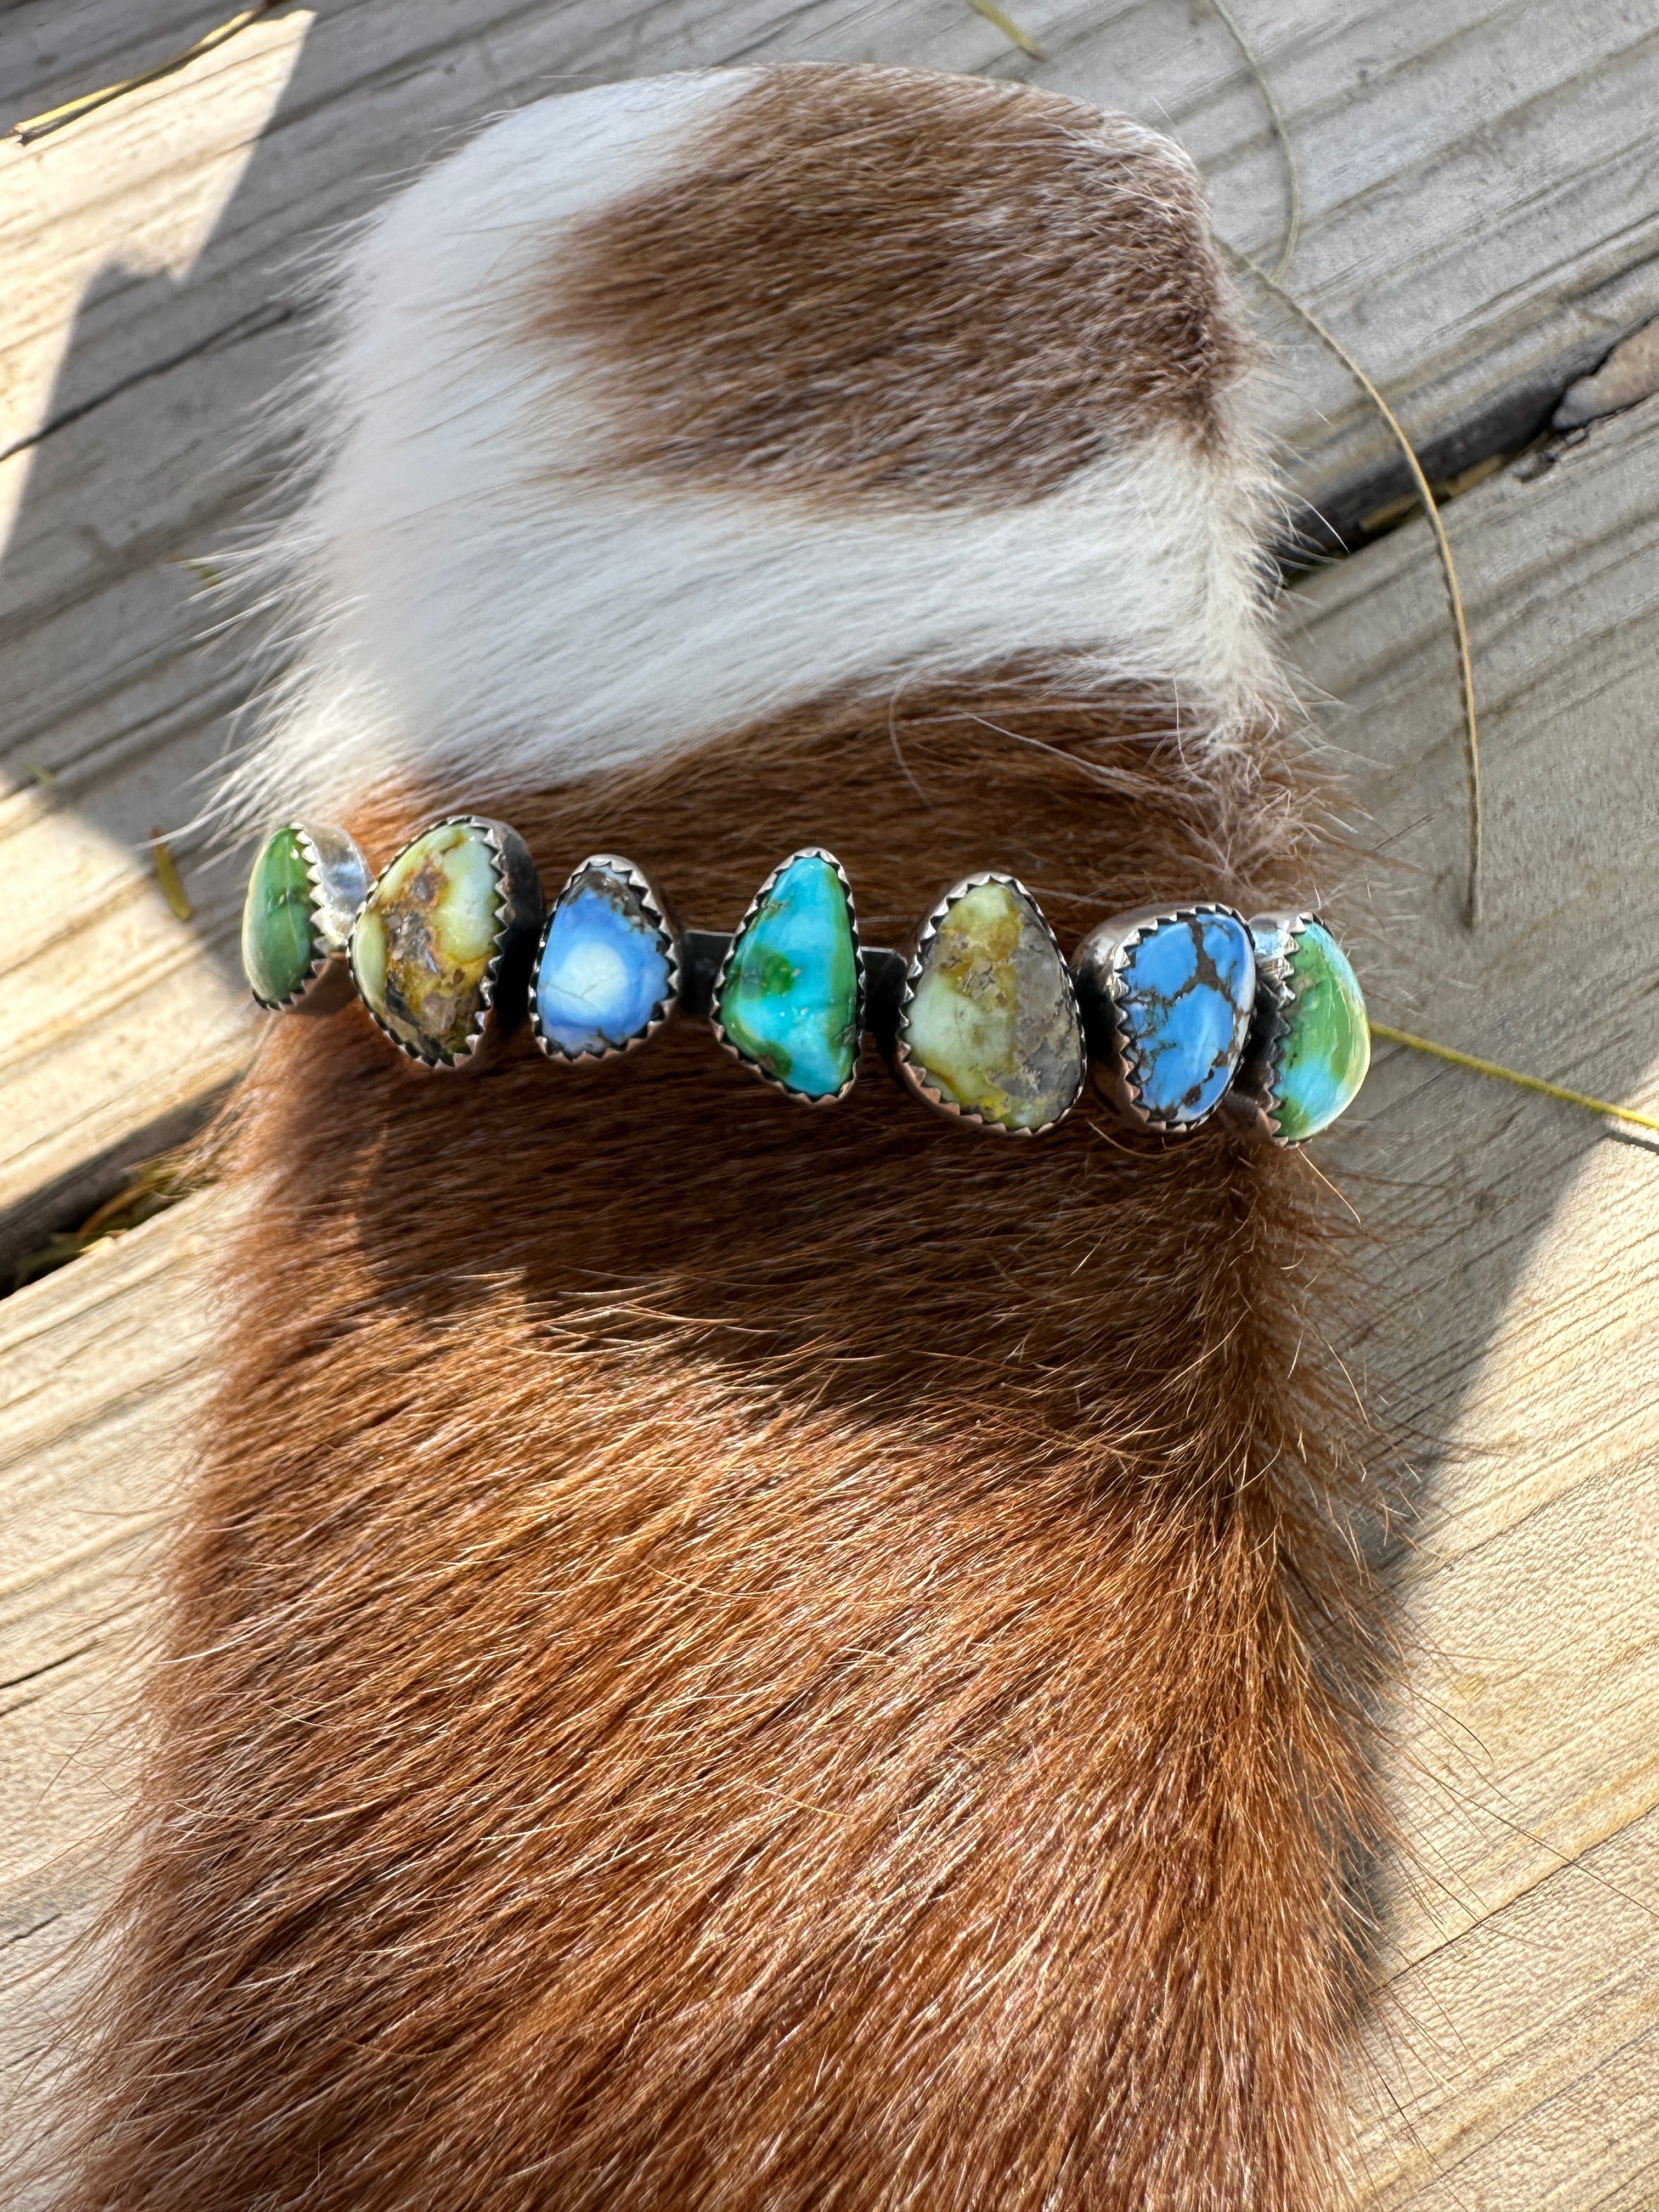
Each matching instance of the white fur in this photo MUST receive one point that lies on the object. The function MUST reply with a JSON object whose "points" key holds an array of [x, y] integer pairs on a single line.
{"points": [[478, 612]]}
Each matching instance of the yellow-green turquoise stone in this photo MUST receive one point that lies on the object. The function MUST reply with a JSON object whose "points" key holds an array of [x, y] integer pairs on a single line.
{"points": [[991, 1024], [280, 943], [789, 999], [423, 943], [1327, 1050]]}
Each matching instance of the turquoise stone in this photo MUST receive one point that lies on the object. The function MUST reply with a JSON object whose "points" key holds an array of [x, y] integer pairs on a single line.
{"points": [[1184, 999], [421, 948], [604, 974], [1326, 1049], [280, 943], [990, 1024], [788, 999]]}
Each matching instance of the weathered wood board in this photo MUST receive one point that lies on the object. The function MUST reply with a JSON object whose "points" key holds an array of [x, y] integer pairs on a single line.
{"points": [[1477, 220], [1517, 1346], [102, 1367]]}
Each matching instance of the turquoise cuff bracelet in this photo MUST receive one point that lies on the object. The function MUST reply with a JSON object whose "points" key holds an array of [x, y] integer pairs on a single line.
{"points": [[1183, 1011]]}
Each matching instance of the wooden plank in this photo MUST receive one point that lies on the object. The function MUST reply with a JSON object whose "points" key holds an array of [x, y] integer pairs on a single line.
{"points": [[124, 1019], [1518, 1343], [123, 1023], [1524, 2058], [1476, 226], [1517, 1347], [102, 1367]]}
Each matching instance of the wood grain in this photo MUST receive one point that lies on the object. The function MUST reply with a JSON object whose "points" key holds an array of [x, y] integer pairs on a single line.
{"points": [[1517, 1346], [102, 1368]]}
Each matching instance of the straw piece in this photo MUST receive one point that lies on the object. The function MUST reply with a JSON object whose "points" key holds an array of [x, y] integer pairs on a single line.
{"points": [[1281, 130], [56, 118], [150, 1190], [1447, 571], [1512, 1075], [166, 874], [1009, 28]]}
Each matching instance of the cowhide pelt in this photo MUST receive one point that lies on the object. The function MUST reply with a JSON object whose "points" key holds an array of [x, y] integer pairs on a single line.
{"points": [[725, 1656]]}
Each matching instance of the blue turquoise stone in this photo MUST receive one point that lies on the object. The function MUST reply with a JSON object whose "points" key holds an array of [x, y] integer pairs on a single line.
{"points": [[788, 1002], [1187, 989], [604, 972]]}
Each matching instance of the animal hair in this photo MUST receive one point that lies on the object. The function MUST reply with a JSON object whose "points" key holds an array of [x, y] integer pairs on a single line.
{"points": [[505, 580], [721, 1655]]}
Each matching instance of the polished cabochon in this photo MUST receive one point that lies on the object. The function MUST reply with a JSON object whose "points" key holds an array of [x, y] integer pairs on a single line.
{"points": [[1174, 990], [1311, 1046], [305, 891], [990, 1031], [607, 972], [789, 997], [1180, 1010], [446, 933]]}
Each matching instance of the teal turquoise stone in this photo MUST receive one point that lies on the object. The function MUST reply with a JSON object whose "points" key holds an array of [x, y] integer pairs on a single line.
{"points": [[604, 976], [788, 1003], [1186, 994], [990, 1024], [1326, 1049], [280, 943]]}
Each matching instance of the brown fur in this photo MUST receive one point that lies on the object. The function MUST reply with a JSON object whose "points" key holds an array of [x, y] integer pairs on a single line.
{"points": [[734, 1657], [989, 288]]}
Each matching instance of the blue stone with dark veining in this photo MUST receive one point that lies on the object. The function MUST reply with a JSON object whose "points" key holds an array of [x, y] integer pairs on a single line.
{"points": [[1187, 988], [602, 976]]}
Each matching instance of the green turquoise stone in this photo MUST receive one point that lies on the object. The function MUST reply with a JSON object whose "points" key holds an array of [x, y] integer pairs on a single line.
{"points": [[1326, 1048], [991, 1024], [422, 945], [788, 1002], [280, 943]]}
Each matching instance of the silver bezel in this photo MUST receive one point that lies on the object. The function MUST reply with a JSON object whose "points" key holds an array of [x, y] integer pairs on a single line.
{"points": [[340, 882], [806, 1097], [1098, 965], [909, 1070], [668, 937], [1254, 1096], [517, 911]]}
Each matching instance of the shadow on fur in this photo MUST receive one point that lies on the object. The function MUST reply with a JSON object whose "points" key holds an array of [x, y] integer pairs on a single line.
{"points": [[731, 1657]]}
